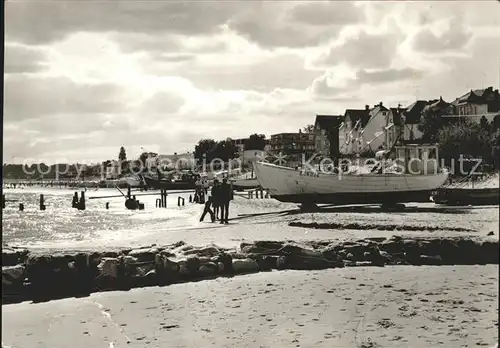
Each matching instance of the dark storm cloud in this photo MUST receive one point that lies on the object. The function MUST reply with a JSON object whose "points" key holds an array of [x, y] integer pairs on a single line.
{"points": [[20, 59], [364, 50], [387, 76], [26, 98], [455, 38]]}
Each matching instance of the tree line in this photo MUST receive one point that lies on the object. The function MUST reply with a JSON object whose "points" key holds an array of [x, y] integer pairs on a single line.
{"points": [[460, 136]]}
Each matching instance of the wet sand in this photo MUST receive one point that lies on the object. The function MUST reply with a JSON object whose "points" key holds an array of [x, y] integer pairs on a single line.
{"points": [[403, 306]]}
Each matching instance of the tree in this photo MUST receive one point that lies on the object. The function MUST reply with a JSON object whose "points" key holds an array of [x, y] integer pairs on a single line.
{"points": [[309, 128], [225, 150], [432, 122], [122, 156], [485, 125], [256, 142], [464, 138], [205, 147]]}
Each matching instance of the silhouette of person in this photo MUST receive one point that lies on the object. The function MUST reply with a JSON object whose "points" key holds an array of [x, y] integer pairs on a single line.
{"points": [[225, 195], [207, 209], [216, 198]]}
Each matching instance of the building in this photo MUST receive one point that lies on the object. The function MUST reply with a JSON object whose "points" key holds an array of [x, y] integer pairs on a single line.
{"points": [[239, 144], [327, 130], [478, 103], [373, 133], [412, 117], [113, 170], [394, 128], [354, 122], [292, 146]]}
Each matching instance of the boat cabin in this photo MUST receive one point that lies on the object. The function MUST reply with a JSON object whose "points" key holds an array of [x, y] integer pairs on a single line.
{"points": [[418, 158]]}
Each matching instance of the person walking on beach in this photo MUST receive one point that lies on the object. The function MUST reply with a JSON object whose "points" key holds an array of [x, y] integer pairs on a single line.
{"points": [[207, 209], [216, 198], [225, 195]]}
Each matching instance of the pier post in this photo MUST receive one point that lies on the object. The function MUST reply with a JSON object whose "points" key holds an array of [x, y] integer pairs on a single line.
{"points": [[267, 194], [190, 199], [3, 201], [81, 205], [128, 192], [42, 203], [163, 197], [74, 204], [158, 203], [107, 205], [180, 201], [21, 207], [261, 193]]}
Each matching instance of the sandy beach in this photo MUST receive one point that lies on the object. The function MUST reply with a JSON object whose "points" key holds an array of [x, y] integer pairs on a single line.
{"points": [[411, 307]]}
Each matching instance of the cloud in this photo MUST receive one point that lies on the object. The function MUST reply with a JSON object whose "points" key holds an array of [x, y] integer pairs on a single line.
{"points": [[151, 17], [326, 13], [362, 50], [21, 59], [388, 75], [288, 24], [455, 38], [277, 71], [31, 97]]}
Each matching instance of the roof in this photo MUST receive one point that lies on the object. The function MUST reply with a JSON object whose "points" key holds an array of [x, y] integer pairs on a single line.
{"points": [[328, 121], [477, 96], [413, 112], [358, 114], [397, 116]]}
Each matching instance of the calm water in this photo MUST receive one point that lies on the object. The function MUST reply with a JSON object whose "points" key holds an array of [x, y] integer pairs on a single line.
{"points": [[62, 224]]}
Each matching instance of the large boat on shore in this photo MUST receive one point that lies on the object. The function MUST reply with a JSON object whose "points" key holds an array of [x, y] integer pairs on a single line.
{"points": [[406, 181]]}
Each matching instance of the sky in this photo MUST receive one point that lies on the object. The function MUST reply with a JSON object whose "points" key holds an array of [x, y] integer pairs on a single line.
{"points": [[83, 78]]}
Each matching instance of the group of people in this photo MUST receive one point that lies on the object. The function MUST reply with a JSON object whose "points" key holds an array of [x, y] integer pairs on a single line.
{"points": [[221, 195]]}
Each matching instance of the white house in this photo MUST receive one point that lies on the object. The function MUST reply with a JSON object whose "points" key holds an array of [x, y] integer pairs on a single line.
{"points": [[373, 133], [354, 122]]}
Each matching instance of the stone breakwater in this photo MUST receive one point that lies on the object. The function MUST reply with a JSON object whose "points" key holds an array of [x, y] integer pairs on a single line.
{"points": [[38, 277]]}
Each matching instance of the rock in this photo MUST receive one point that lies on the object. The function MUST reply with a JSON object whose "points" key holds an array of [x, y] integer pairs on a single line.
{"points": [[220, 268], [189, 267], [308, 263], [108, 267], [491, 233], [267, 262], [12, 257], [245, 266], [350, 257], [167, 253], [281, 262], [227, 262], [205, 252], [208, 269], [292, 249], [236, 255], [12, 275], [431, 260], [489, 252], [144, 255], [261, 247]]}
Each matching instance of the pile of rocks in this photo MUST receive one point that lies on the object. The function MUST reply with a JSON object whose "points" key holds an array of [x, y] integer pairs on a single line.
{"points": [[29, 276]]}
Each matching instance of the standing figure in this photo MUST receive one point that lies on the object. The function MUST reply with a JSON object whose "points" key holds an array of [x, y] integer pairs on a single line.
{"points": [[216, 198], [226, 195], [208, 210]]}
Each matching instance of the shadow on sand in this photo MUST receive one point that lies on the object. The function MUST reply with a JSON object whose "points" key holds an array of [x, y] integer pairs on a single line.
{"points": [[371, 209]]}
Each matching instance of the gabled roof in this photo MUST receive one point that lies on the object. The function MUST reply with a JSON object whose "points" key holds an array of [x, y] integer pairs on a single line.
{"points": [[397, 115], [358, 114], [477, 96], [413, 112], [328, 121]]}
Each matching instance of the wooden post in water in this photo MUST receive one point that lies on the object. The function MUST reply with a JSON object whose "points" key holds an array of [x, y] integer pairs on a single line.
{"points": [[107, 205], [3, 201], [81, 205], [21, 207], [42, 203], [75, 202], [164, 198], [128, 192]]}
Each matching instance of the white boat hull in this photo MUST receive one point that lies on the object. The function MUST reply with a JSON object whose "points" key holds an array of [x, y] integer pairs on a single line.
{"points": [[290, 185], [246, 183]]}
